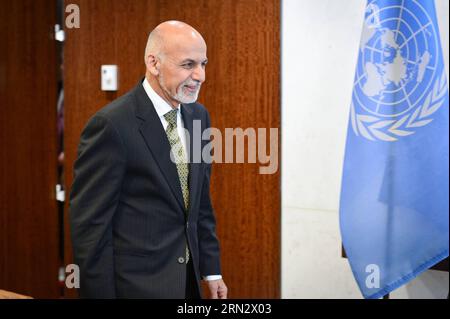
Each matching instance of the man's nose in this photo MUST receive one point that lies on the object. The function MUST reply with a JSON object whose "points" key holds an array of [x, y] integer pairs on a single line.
{"points": [[199, 74]]}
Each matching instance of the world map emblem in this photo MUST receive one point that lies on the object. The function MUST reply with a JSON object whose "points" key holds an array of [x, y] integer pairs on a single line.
{"points": [[400, 79]]}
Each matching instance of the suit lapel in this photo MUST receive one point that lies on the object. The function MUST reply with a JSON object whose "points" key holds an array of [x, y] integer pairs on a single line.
{"points": [[188, 118], [156, 139]]}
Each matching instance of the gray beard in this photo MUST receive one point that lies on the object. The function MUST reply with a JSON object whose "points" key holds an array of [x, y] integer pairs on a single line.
{"points": [[179, 96]]}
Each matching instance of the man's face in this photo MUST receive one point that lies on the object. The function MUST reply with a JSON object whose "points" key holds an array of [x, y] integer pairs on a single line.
{"points": [[182, 71]]}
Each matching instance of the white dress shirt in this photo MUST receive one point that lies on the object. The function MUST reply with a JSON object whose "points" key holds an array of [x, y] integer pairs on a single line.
{"points": [[162, 107]]}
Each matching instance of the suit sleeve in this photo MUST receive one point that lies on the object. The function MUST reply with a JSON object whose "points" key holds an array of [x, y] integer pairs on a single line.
{"points": [[98, 174], [208, 242]]}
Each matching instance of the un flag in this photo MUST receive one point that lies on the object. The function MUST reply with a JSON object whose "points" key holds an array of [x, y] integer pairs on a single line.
{"points": [[394, 204]]}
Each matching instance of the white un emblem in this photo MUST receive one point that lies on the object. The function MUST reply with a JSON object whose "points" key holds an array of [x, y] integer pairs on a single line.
{"points": [[400, 79]]}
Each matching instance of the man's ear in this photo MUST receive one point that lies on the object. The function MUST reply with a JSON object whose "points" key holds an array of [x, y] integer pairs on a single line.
{"points": [[152, 64]]}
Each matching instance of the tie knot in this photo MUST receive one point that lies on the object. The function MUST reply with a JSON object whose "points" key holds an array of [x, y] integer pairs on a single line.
{"points": [[171, 117]]}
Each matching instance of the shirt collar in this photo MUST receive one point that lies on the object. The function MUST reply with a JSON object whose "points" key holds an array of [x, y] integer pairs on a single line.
{"points": [[161, 106]]}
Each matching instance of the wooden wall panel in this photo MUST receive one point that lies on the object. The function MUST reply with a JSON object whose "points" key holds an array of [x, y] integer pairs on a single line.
{"points": [[242, 89], [28, 157]]}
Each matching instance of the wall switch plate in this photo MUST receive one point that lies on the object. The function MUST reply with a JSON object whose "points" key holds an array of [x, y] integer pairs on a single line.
{"points": [[109, 78]]}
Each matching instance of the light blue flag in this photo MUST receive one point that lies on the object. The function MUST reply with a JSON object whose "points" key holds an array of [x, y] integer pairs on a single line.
{"points": [[394, 205]]}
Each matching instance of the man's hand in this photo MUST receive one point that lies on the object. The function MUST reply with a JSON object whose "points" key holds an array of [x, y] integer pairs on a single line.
{"points": [[218, 289]]}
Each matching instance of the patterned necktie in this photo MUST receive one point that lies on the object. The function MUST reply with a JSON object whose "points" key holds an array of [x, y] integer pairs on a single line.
{"points": [[180, 159]]}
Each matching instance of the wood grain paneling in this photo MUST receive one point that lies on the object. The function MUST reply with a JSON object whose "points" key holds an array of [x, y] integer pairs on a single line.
{"points": [[242, 90], [28, 155]]}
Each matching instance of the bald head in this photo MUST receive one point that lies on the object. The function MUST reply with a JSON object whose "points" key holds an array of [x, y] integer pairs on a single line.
{"points": [[175, 60], [171, 35]]}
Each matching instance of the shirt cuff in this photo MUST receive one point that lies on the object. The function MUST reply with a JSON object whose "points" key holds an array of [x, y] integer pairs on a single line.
{"points": [[212, 277]]}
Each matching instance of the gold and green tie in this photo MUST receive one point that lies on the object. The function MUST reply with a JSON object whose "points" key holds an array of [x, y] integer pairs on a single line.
{"points": [[179, 158]]}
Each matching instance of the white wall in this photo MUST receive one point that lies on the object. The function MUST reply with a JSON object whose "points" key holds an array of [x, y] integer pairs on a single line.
{"points": [[320, 40]]}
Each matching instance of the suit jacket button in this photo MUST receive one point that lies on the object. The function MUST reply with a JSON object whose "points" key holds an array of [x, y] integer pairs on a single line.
{"points": [[181, 260], [187, 225]]}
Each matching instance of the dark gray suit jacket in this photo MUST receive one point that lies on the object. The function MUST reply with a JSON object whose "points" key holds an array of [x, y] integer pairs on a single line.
{"points": [[128, 224]]}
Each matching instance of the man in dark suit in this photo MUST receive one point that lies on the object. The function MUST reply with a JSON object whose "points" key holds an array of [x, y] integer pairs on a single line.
{"points": [[141, 216]]}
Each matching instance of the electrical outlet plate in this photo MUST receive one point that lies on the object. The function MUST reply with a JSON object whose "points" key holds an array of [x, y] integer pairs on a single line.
{"points": [[109, 76]]}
